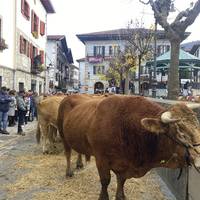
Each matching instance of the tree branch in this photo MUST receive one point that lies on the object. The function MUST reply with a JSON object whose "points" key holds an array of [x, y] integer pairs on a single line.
{"points": [[146, 3]]}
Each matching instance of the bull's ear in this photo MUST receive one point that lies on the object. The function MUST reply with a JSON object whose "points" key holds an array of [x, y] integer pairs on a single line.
{"points": [[153, 125]]}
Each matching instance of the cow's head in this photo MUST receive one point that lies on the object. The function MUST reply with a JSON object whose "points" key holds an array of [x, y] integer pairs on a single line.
{"points": [[180, 124]]}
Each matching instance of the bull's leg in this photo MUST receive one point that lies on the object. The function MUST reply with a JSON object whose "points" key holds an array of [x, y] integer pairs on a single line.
{"points": [[120, 188], [38, 133], [51, 136], [45, 141], [104, 173], [79, 162], [69, 172]]}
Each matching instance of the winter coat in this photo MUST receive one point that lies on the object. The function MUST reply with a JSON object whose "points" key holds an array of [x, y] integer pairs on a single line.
{"points": [[12, 106], [21, 105], [5, 100]]}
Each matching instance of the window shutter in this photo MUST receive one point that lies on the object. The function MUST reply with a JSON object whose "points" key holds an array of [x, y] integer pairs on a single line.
{"points": [[95, 51], [22, 7], [103, 51], [42, 56], [94, 69], [42, 28], [28, 49], [28, 11], [21, 44], [32, 21], [37, 24], [31, 51]]}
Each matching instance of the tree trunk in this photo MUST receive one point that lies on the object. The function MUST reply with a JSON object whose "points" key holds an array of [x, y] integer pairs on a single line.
{"points": [[127, 84], [173, 75], [139, 74]]}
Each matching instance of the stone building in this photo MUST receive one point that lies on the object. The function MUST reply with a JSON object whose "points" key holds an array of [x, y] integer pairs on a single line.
{"points": [[23, 26]]}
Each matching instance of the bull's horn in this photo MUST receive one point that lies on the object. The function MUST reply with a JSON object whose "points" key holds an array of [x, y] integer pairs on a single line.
{"points": [[166, 118], [193, 105]]}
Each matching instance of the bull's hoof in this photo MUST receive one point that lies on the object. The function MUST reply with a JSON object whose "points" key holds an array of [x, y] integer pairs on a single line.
{"points": [[45, 152], [79, 166], [103, 196], [69, 174], [121, 197]]}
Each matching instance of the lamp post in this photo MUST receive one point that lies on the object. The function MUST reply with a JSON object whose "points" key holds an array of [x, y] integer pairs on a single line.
{"points": [[154, 81]]}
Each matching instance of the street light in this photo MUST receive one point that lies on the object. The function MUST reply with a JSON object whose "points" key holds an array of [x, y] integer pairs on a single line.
{"points": [[154, 81]]}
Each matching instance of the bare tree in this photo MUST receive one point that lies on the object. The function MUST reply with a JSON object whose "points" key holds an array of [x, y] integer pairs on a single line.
{"points": [[175, 33], [141, 39], [120, 67]]}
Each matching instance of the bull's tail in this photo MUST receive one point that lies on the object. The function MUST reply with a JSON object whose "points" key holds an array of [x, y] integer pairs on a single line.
{"points": [[38, 134], [60, 120]]}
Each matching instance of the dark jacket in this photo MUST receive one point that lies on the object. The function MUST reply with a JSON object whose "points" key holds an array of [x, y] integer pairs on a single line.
{"points": [[5, 100]]}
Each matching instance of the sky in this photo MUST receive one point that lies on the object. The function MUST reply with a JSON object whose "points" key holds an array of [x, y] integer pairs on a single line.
{"points": [[74, 17]]}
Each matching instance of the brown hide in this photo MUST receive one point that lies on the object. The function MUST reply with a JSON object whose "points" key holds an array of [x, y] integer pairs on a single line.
{"points": [[111, 130]]}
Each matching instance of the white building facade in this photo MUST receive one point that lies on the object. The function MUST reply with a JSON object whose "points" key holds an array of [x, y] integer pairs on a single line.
{"points": [[59, 61], [100, 47], [22, 65]]}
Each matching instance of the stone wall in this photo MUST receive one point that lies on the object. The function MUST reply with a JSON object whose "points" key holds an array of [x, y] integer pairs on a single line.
{"points": [[7, 77]]}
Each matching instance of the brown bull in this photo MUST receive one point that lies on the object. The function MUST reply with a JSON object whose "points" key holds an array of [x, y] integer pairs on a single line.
{"points": [[130, 135]]}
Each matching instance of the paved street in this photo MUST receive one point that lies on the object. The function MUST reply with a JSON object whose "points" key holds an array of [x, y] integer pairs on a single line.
{"points": [[8, 142]]}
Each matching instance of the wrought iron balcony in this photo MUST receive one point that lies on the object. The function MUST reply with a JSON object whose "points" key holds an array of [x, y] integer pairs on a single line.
{"points": [[36, 66]]}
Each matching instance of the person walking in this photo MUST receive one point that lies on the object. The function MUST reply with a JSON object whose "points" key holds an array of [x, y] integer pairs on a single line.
{"points": [[21, 107], [5, 100], [12, 107]]}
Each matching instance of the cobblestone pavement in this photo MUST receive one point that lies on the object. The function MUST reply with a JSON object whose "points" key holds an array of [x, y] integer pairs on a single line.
{"points": [[7, 142]]}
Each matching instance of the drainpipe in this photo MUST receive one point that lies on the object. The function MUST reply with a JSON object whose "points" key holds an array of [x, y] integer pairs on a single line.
{"points": [[14, 46]]}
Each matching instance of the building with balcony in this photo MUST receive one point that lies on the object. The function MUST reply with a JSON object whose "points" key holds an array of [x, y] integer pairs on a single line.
{"points": [[59, 61], [23, 27], [100, 47]]}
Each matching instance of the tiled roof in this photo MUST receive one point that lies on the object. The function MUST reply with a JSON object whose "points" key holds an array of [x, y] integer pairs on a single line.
{"points": [[55, 37], [183, 55], [48, 6], [117, 34]]}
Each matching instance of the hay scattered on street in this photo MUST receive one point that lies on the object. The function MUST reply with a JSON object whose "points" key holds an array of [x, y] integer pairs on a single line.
{"points": [[45, 178]]}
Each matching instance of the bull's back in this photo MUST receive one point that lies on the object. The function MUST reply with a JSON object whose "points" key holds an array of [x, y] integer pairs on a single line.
{"points": [[78, 125]]}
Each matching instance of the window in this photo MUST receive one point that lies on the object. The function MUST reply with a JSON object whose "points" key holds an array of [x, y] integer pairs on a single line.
{"points": [[42, 28], [24, 46], [34, 24], [99, 50], [114, 50], [21, 86], [98, 70], [25, 9], [110, 51]]}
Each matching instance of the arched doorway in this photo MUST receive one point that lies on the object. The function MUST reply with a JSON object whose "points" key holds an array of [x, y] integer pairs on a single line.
{"points": [[98, 87]]}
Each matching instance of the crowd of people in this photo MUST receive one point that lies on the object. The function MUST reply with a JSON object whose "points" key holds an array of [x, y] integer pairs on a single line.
{"points": [[16, 108]]}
